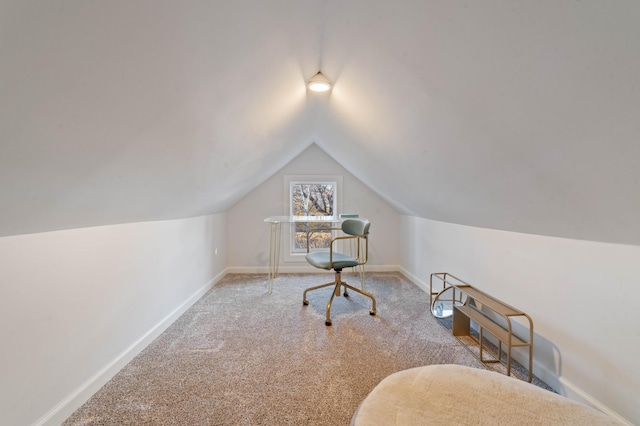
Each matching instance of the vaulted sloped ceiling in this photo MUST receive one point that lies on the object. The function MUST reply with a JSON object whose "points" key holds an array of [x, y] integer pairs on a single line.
{"points": [[522, 116]]}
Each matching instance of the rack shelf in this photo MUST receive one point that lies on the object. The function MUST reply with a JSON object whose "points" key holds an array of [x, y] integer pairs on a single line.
{"points": [[468, 305]]}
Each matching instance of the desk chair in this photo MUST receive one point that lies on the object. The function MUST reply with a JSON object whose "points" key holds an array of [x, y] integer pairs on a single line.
{"points": [[354, 229]]}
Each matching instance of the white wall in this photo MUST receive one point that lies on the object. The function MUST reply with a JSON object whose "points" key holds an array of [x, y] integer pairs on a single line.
{"points": [[76, 305], [582, 296], [248, 235]]}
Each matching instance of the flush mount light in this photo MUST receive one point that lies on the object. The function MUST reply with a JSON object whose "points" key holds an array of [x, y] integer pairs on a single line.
{"points": [[319, 83]]}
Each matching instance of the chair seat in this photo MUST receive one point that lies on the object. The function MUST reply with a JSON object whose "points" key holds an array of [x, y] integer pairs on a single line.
{"points": [[320, 259]]}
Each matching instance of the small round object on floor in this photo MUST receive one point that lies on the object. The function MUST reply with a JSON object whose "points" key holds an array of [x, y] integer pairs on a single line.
{"points": [[327, 323], [372, 312]]}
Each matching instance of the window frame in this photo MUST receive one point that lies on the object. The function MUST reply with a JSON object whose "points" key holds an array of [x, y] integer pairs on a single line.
{"points": [[290, 254]]}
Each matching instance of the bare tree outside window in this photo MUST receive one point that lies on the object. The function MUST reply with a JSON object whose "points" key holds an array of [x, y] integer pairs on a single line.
{"points": [[312, 199]]}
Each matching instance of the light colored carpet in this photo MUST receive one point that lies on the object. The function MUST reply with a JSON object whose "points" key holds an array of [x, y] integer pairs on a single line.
{"points": [[240, 356]]}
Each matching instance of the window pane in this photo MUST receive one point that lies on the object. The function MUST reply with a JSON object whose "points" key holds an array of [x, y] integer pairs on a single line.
{"points": [[312, 199], [318, 237]]}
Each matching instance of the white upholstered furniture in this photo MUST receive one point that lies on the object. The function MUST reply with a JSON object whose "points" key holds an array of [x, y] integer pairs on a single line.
{"points": [[457, 395]]}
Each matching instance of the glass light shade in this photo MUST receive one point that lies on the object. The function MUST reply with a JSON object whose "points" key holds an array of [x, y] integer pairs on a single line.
{"points": [[319, 83]]}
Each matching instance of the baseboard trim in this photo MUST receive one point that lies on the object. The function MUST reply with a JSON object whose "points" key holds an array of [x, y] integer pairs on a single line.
{"points": [[415, 279], [302, 269], [73, 401], [574, 393]]}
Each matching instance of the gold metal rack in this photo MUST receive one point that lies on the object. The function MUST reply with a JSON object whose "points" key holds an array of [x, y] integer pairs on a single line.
{"points": [[472, 306]]}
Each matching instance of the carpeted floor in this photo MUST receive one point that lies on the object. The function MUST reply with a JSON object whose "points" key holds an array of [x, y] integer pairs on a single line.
{"points": [[240, 356]]}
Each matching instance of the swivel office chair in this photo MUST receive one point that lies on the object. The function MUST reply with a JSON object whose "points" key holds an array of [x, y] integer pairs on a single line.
{"points": [[354, 229]]}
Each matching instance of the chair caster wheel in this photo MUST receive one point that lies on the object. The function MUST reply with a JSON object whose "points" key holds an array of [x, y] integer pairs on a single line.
{"points": [[327, 323], [372, 312], [305, 302]]}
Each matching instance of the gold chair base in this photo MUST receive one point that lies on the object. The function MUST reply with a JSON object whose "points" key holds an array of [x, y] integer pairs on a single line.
{"points": [[338, 283]]}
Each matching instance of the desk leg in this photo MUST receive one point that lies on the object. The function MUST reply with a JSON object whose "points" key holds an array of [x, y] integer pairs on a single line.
{"points": [[274, 252], [362, 278], [354, 250]]}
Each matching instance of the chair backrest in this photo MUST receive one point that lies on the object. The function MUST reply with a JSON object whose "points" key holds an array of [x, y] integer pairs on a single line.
{"points": [[356, 227]]}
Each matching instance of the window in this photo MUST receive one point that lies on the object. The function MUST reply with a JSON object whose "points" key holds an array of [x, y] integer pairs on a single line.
{"points": [[312, 196], [312, 199]]}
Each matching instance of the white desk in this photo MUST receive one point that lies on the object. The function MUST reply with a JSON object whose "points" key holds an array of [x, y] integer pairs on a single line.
{"points": [[275, 236], [275, 229]]}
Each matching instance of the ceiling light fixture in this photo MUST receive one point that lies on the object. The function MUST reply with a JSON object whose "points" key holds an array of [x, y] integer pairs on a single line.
{"points": [[319, 83]]}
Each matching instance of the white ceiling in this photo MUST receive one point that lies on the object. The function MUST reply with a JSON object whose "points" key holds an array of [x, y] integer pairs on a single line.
{"points": [[514, 115]]}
